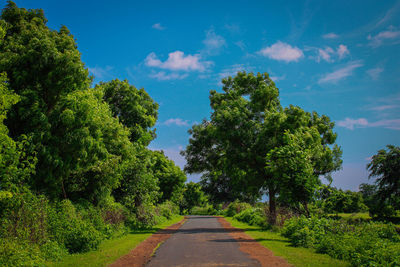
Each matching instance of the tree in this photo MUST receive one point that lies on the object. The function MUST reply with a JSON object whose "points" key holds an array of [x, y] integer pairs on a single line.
{"points": [[193, 196], [80, 145], [171, 179], [291, 164], [247, 123], [8, 149], [138, 186], [15, 163], [134, 108], [385, 166], [83, 150], [42, 66]]}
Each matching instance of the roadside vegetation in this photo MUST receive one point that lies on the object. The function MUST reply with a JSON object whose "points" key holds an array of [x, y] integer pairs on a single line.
{"points": [[78, 181], [75, 168]]}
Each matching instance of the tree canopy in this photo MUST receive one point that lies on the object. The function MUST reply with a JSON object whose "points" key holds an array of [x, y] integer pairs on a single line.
{"points": [[385, 167], [256, 145]]}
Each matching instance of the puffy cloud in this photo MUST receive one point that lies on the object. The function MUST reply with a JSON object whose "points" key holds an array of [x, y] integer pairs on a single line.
{"points": [[158, 26], [330, 36], [177, 61], [342, 51], [349, 123], [325, 54], [283, 52], [176, 121], [383, 36], [340, 74], [375, 72]]}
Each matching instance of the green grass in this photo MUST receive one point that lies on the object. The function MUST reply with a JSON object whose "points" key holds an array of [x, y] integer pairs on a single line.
{"points": [[280, 247], [111, 250]]}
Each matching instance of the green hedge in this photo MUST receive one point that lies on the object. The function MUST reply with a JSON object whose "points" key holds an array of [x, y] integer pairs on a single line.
{"points": [[363, 244]]}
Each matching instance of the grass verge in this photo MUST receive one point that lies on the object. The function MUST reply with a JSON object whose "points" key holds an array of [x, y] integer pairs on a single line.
{"points": [[111, 250], [280, 247]]}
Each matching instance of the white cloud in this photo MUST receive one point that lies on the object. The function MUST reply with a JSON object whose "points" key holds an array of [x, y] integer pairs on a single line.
{"points": [[384, 107], [176, 121], [278, 78], [325, 54], [393, 124], [340, 74], [380, 38], [213, 42], [232, 28], [282, 51], [349, 123], [162, 76], [389, 15], [177, 61], [99, 72], [330, 36], [375, 72], [342, 51], [231, 71], [158, 26], [241, 45]]}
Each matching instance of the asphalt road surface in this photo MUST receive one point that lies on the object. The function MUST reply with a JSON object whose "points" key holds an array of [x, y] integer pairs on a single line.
{"points": [[201, 241]]}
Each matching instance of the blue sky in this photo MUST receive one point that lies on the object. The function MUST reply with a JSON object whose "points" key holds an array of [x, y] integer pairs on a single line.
{"points": [[339, 58]]}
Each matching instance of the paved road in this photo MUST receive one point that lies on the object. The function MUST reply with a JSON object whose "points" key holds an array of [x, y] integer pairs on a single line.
{"points": [[201, 241]]}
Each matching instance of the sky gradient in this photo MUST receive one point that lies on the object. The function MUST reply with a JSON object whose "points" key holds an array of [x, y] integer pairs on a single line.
{"points": [[338, 58]]}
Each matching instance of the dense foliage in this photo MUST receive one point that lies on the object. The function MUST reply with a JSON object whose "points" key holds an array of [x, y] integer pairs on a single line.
{"points": [[384, 197], [251, 144], [365, 244], [74, 164], [75, 167]]}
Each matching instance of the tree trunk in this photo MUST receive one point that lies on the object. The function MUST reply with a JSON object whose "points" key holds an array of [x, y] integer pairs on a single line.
{"points": [[63, 189], [306, 209], [272, 207]]}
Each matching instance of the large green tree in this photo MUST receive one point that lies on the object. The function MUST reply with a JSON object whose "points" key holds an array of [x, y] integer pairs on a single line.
{"points": [[134, 108], [247, 124], [385, 167], [42, 66], [15, 163], [78, 141]]}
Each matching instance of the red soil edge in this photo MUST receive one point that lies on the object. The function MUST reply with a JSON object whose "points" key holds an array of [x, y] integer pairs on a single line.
{"points": [[254, 249], [142, 253]]}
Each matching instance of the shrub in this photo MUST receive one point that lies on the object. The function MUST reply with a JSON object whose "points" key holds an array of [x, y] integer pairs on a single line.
{"points": [[365, 244], [15, 252], [252, 216], [23, 216], [167, 209], [68, 227], [236, 207], [206, 210]]}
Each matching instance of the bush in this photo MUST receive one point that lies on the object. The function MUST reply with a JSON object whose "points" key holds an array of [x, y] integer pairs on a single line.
{"points": [[205, 210], [23, 216], [15, 252], [167, 209], [236, 207], [69, 228], [252, 216], [365, 244]]}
